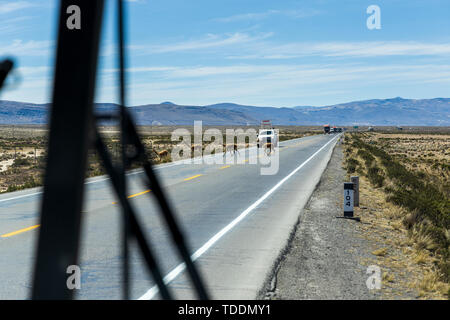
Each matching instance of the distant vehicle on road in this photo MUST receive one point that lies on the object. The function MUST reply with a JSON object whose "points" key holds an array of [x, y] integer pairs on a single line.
{"points": [[267, 134], [327, 129]]}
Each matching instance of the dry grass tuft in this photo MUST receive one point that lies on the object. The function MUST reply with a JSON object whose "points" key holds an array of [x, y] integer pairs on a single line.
{"points": [[421, 257], [380, 252], [388, 277]]}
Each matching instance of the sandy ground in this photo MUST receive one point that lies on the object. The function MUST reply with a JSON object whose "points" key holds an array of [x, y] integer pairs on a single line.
{"points": [[324, 259], [5, 164]]}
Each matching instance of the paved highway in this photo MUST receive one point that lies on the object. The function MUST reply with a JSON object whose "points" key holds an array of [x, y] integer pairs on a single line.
{"points": [[236, 222]]}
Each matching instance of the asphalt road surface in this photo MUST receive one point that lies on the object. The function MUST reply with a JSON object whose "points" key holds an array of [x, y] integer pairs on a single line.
{"points": [[235, 219]]}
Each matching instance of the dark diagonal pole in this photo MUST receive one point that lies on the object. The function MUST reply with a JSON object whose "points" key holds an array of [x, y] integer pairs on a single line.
{"points": [[70, 123]]}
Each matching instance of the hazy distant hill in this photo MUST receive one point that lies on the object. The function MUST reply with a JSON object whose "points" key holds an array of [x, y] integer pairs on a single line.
{"points": [[280, 116], [173, 114], [166, 113], [396, 111], [22, 113]]}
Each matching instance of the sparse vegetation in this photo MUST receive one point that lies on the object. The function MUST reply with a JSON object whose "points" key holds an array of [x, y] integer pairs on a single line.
{"points": [[411, 171], [373, 173], [352, 164]]}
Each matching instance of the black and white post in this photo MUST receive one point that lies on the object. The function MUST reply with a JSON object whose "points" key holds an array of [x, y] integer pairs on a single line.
{"points": [[348, 199]]}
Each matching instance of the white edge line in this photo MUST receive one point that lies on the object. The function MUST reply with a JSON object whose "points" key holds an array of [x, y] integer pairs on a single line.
{"points": [[180, 162], [23, 196], [180, 268]]}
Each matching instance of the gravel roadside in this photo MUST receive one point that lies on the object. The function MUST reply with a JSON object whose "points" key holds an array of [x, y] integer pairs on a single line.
{"points": [[324, 257]]}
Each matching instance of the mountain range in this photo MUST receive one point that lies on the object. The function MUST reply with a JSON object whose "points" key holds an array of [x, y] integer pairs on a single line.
{"points": [[387, 112]]}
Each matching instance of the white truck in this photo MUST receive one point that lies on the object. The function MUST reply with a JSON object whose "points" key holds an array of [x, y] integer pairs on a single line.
{"points": [[267, 134]]}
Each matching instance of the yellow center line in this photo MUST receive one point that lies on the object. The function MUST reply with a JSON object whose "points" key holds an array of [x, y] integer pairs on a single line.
{"points": [[224, 167], [138, 194], [20, 231], [135, 195], [193, 177]]}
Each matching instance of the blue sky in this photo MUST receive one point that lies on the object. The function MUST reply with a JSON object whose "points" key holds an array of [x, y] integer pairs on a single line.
{"points": [[265, 53]]}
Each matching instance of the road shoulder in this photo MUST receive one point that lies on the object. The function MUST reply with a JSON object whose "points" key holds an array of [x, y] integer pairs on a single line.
{"points": [[324, 258]]}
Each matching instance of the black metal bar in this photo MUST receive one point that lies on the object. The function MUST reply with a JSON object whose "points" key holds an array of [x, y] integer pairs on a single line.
{"points": [[5, 67], [123, 115], [167, 212], [128, 211], [70, 123]]}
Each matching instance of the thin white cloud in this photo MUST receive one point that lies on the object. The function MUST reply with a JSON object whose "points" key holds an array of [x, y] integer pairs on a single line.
{"points": [[267, 89], [310, 73], [377, 48], [267, 84], [366, 49], [39, 71], [254, 84], [27, 48], [248, 46], [14, 25], [11, 6], [207, 42], [296, 14], [274, 74]]}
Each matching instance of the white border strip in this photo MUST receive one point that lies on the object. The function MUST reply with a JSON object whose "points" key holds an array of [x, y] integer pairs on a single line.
{"points": [[22, 196], [180, 268]]}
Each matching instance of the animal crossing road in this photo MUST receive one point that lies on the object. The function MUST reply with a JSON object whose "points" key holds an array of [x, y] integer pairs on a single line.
{"points": [[235, 219]]}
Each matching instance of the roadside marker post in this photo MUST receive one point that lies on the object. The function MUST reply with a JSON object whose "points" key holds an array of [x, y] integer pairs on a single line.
{"points": [[348, 199], [355, 181], [349, 202]]}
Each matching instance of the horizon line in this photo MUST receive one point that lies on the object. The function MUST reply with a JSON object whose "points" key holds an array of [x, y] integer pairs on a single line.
{"points": [[245, 105]]}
